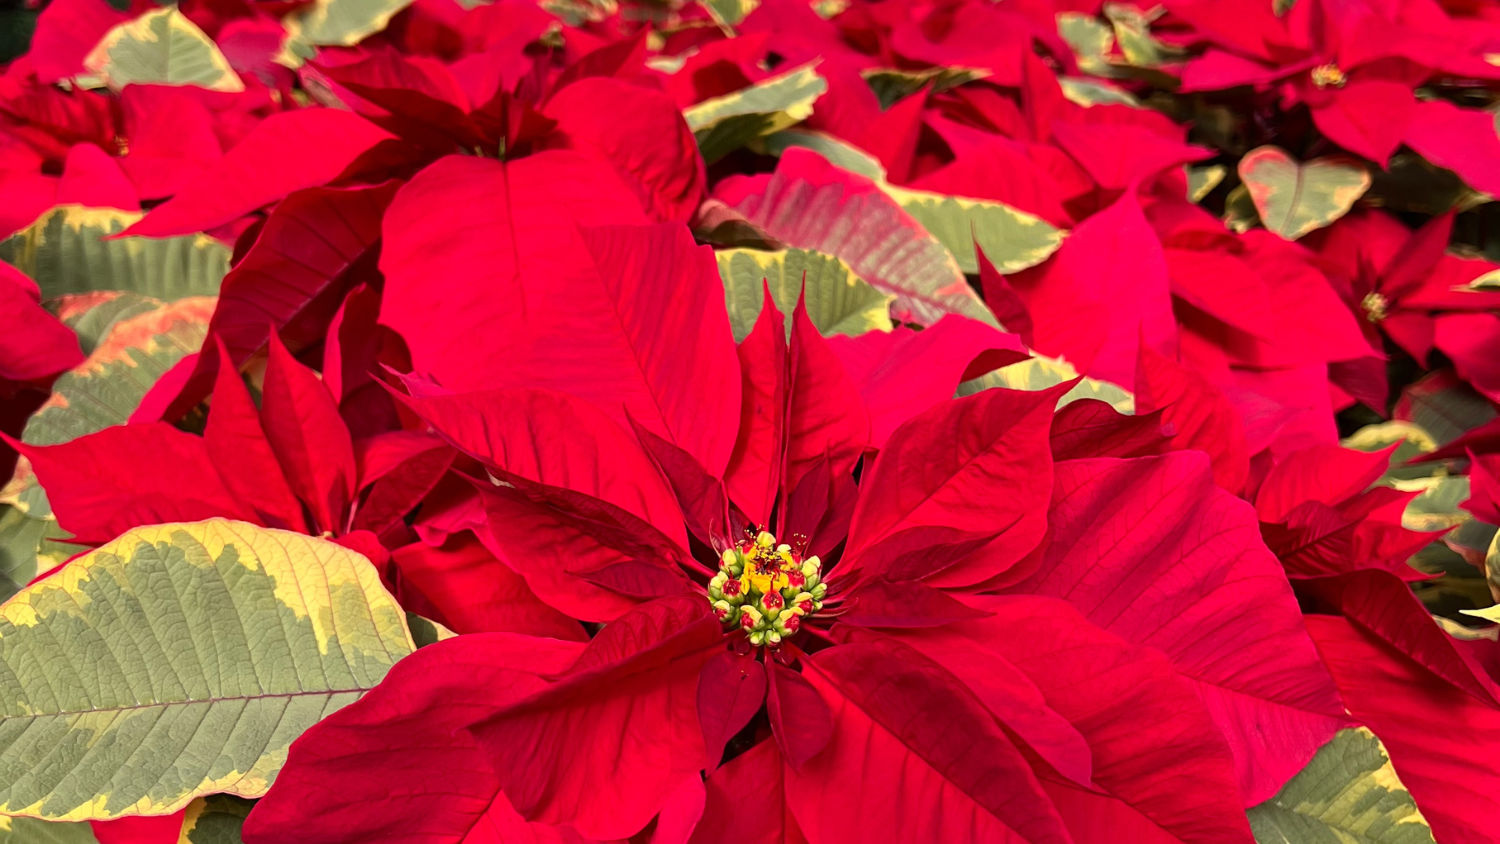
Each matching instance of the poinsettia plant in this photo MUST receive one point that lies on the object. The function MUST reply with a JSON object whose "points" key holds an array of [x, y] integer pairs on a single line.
{"points": [[856, 420]]}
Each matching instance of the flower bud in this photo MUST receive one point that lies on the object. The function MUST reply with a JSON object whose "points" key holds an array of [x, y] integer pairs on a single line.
{"points": [[772, 602], [725, 611]]}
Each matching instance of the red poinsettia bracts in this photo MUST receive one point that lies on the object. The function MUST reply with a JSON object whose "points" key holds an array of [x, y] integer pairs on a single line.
{"points": [[855, 646]]}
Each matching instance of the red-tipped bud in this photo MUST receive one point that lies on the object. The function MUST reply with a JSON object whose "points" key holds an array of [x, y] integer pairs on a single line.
{"points": [[731, 587], [806, 605], [795, 579], [773, 601], [747, 621], [792, 624]]}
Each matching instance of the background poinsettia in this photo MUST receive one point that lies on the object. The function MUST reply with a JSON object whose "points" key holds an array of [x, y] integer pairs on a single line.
{"points": [[404, 276]]}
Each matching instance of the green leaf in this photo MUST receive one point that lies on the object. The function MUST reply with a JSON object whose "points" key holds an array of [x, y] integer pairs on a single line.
{"points": [[1295, 198], [34, 831], [729, 12], [1436, 505], [838, 301], [1039, 373], [182, 660], [107, 387], [1444, 407], [1011, 238], [1202, 180], [425, 631], [342, 23], [1091, 39], [1347, 794], [161, 47], [64, 251], [891, 85], [1132, 29], [724, 124], [92, 315], [215, 819], [840, 154], [1089, 92], [1410, 441]]}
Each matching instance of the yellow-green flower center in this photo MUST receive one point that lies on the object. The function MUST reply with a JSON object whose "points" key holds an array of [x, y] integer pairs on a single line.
{"points": [[765, 589]]}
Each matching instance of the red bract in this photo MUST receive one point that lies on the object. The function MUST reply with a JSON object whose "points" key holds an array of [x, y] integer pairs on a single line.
{"points": [[903, 618]]}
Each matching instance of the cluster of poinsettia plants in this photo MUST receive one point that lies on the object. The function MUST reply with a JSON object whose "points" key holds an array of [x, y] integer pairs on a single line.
{"points": [[697, 421]]}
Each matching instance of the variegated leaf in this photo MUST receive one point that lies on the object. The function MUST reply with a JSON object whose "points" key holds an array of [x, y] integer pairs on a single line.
{"points": [[1294, 198], [182, 660], [215, 819], [729, 12], [161, 47], [34, 831], [1347, 794], [724, 124], [891, 85], [1039, 373], [838, 301], [342, 23], [107, 387], [64, 251]]}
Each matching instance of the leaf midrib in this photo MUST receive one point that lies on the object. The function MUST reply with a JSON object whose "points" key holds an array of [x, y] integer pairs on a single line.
{"points": [[156, 704]]}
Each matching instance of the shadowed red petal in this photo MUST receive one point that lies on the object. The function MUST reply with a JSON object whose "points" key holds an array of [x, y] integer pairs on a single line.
{"points": [[302, 423], [237, 444]]}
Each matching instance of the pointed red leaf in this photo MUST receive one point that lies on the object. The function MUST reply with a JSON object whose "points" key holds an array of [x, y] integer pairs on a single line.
{"points": [[1199, 412], [912, 756], [1151, 550], [33, 345], [978, 464], [882, 603], [825, 417], [731, 689], [309, 438], [800, 720], [236, 443], [1092, 428], [478, 593], [746, 802], [753, 474], [258, 171], [631, 696]]}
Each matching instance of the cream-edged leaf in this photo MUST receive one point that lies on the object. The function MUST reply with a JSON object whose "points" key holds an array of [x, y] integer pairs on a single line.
{"points": [[161, 47], [1293, 198], [1347, 794], [65, 251], [838, 301], [1039, 373], [724, 124], [182, 660]]}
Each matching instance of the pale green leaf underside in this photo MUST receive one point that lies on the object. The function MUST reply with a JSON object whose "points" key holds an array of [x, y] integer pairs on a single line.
{"points": [[1039, 373], [182, 660], [34, 831], [723, 124], [161, 47], [1347, 794], [1295, 198], [891, 85], [105, 389], [838, 301], [64, 252], [341, 22], [215, 819]]}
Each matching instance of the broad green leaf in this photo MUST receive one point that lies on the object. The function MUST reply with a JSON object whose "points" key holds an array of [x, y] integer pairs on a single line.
{"points": [[1411, 442], [1039, 373], [1090, 92], [891, 85], [1445, 407], [31, 541], [215, 819], [1295, 198], [1091, 39], [107, 387], [1412, 183], [1011, 238], [838, 301], [1132, 29], [161, 47], [724, 124], [1202, 180], [65, 252], [840, 154], [1347, 794], [1436, 507], [181, 660], [92, 315], [729, 12], [342, 23], [34, 831], [425, 631]]}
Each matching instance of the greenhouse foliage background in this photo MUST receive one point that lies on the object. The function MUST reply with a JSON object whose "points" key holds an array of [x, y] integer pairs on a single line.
{"points": [[830, 421]]}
